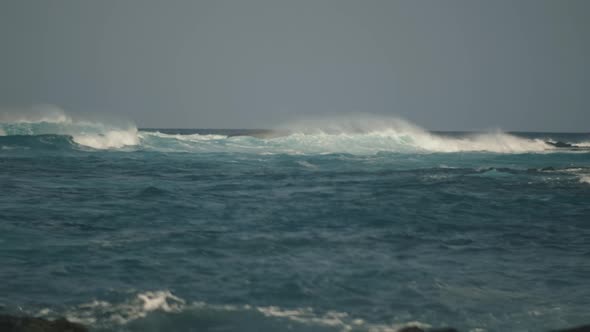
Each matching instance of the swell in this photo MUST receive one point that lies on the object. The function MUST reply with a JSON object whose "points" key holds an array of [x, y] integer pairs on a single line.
{"points": [[38, 142]]}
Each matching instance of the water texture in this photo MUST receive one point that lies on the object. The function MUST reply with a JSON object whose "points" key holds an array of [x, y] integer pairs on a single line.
{"points": [[358, 227]]}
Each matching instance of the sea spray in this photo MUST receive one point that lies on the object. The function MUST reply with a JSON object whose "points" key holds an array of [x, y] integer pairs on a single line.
{"points": [[48, 120], [361, 136]]}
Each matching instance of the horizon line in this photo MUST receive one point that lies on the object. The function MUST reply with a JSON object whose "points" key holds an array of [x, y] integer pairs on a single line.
{"points": [[432, 131]]}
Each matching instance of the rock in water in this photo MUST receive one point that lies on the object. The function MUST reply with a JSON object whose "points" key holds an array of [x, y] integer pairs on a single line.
{"points": [[411, 329], [584, 328], [31, 324], [560, 144], [417, 329]]}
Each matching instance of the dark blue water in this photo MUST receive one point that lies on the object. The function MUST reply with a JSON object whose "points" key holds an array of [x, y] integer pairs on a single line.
{"points": [[186, 232]]}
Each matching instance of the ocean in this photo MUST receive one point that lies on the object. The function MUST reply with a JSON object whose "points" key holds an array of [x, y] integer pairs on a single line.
{"points": [[350, 227]]}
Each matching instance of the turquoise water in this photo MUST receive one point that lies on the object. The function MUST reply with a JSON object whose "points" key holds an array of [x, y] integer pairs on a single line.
{"points": [[192, 230]]}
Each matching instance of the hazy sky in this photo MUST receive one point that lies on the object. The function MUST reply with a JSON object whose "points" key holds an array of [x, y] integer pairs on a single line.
{"points": [[443, 64]]}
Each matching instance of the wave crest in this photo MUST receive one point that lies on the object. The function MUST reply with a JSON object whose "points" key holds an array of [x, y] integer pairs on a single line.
{"points": [[389, 140], [54, 121], [353, 136], [397, 135], [108, 139]]}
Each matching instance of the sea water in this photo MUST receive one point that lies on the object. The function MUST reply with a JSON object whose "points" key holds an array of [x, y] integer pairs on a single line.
{"points": [[362, 227]]}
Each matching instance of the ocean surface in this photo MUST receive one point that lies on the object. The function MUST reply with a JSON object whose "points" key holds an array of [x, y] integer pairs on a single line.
{"points": [[351, 227]]}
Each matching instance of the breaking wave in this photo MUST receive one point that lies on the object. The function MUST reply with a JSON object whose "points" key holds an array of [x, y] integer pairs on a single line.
{"points": [[354, 136], [389, 140], [154, 308], [53, 121]]}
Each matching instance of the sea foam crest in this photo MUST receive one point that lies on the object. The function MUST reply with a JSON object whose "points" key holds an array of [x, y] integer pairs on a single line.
{"points": [[354, 135], [585, 179], [370, 133], [43, 120], [112, 138]]}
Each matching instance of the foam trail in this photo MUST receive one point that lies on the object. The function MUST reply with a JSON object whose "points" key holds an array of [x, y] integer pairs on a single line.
{"points": [[109, 315], [189, 137]]}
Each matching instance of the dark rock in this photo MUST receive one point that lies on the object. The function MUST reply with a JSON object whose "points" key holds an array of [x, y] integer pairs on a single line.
{"points": [[584, 328], [417, 329], [31, 324], [560, 144], [411, 329]]}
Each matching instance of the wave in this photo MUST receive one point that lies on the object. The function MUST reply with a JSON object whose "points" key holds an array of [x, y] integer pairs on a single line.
{"points": [[53, 121], [93, 135], [37, 142], [353, 136], [354, 143], [158, 308]]}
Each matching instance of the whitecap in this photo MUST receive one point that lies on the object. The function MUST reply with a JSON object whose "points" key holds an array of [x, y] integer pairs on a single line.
{"points": [[52, 120], [108, 139], [100, 313]]}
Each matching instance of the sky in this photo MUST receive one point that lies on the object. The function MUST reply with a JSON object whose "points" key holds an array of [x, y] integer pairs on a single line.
{"points": [[444, 65]]}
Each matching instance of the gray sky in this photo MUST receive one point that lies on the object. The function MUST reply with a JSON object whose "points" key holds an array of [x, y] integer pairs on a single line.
{"points": [[445, 65]]}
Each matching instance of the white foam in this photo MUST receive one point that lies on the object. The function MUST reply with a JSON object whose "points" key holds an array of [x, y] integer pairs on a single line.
{"points": [[307, 164], [307, 316], [370, 135], [160, 300], [393, 141], [357, 143], [52, 120], [573, 170], [360, 135], [104, 314], [109, 139], [498, 142], [582, 173], [339, 320], [191, 137]]}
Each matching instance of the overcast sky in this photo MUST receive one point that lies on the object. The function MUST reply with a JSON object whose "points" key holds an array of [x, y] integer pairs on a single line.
{"points": [[443, 64]]}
